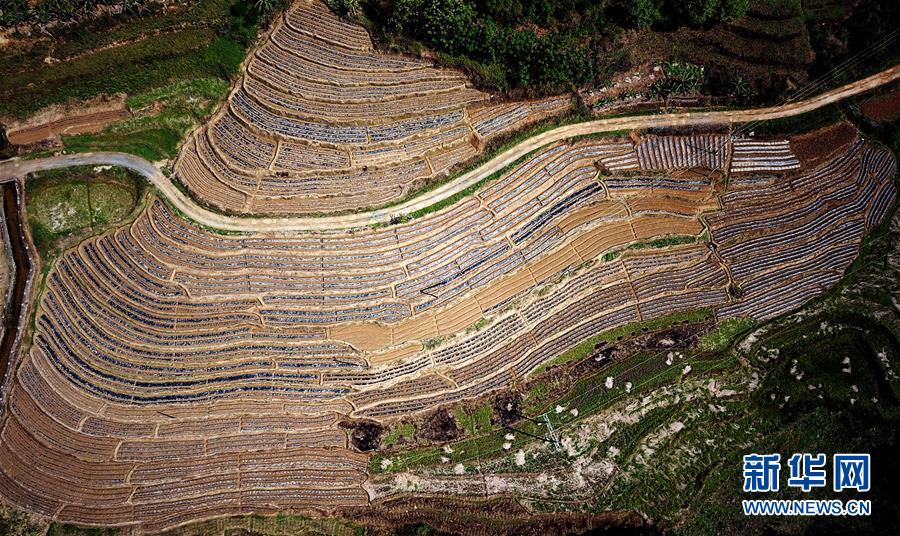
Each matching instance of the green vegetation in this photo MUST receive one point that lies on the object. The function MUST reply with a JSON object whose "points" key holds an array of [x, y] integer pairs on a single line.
{"points": [[403, 432], [809, 121], [277, 525], [344, 8], [666, 241], [62, 529], [544, 44], [163, 116], [680, 79], [656, 243], [486, 438], [204, 40], [42, 12], [586, 347], [824, 391], [725, 334], [17, 523], [71, 204], [839, 30]]}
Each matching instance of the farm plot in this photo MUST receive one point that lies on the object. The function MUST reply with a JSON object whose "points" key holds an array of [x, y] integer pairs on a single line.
{"points": [[321, 122], [178, 374]]}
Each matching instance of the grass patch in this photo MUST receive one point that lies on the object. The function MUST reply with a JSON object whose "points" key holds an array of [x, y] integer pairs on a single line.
{"points": [[70, 204], [63, 529], [584, 348], [664, 242], [405, 431], [175, 66], [164, 115], [725, 334], [485, 440], [130, 68], [153, 144]]}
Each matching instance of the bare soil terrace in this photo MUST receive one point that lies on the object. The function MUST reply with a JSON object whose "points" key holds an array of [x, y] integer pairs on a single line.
{"points": [[178, 374]]}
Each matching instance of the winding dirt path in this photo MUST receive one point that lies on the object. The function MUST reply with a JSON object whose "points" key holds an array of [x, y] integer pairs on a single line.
{"points": [[11, 169]]}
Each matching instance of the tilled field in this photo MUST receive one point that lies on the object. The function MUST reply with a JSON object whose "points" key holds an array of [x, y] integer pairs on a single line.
{"points": [[321, 122], [178, 374]]}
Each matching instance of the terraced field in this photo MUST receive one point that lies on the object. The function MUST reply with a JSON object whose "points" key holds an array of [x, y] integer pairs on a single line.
{"points": [[321, 122], [178, 374]]}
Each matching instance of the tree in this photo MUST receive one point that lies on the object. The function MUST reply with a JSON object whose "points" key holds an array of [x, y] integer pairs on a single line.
{"points": [[347, 9], [702, 12], [642, 13], [267, 8], [733, 9], [450, 25]]}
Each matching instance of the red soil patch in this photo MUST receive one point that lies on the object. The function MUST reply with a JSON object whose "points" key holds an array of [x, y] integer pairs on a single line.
{"points": [[79, 118], [818, 146], [883, 107]]}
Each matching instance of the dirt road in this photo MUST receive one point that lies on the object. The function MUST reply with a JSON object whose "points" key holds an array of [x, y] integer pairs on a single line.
{"points": [[16, 168]]}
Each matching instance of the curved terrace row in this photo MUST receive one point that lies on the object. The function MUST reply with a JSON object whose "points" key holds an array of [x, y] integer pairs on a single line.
{"points": [[179, 374], [321, 122]]}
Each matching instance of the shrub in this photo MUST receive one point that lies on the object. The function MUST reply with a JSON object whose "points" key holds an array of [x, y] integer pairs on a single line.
{"points": [[642, 13], [347, 9]]}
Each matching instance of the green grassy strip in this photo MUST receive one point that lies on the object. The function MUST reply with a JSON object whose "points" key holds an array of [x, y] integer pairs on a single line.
{"points": [[584, 348], [490, 439]]}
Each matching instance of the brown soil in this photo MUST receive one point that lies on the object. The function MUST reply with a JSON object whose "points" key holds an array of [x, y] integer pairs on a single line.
{"points": [[494, 517], [508, 408], [440, 426], [884, 108], [364, 435], [79, 118], [819, 146]]}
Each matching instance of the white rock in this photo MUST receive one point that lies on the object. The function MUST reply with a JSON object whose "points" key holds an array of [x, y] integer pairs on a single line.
{"points": [[385, 463], [509, 437], [609, 382], [520, 458], [459, 469]]}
